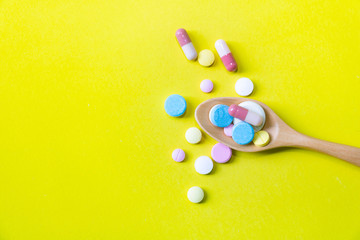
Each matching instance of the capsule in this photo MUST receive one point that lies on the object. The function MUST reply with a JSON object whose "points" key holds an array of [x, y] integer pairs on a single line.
{"points": [[245, 115], [225, 55], [186, 44]]}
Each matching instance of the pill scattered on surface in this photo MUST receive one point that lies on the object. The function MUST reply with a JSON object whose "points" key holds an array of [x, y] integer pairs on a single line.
{"points": [[228, 130], [206, 85], [206, 58], [195, 194], [219, 116], [243, 133], [186, 44], [221, 153], [204, 165], [193, 135], [261, 138], [226, 55], [244, 86], [178, 155], [245, 115], [254, 107], [175, 105]]}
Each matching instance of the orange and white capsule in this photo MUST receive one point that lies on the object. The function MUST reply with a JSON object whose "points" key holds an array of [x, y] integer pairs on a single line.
{"points": [[225, 55], [186, 44]]}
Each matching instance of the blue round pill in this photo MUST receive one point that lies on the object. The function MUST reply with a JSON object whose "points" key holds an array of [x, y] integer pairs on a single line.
{"points": [[175, 105], [219, 116], [243, 133]]}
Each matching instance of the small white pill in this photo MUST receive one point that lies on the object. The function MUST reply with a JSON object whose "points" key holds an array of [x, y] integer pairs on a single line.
{"points": [[204, 165], [193, 135], [195, 194], [244, 86]]}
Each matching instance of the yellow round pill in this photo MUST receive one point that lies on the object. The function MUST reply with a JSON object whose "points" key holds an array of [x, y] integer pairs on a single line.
{"points": [[261, 138], [206, 58]]}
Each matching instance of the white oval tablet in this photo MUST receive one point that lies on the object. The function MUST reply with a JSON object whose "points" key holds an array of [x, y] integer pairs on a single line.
{"points": [[193, 135], [244, 86], [195, 194], [204, 165], [256, 108]]}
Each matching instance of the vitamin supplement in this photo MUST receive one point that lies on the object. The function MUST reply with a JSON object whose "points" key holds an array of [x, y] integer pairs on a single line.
{"points": [[175, 105], [243, 133], [245, 115], [206, 85], [195, 194], [221, 153], [186, 44], [244, 86], [261, 138], [228, 130], [193, 135], [219, 116], [206, 58], [225, 55], [178, 155], [256, 108], [204, 165]]}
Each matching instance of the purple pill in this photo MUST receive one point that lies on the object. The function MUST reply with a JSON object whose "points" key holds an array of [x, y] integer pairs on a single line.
{"points": [[206, 85], [178, 155]]}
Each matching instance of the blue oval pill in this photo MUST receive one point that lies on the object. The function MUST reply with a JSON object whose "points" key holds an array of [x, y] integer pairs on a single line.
{"points": [[175, 105], [219, 116], [243, 133]]}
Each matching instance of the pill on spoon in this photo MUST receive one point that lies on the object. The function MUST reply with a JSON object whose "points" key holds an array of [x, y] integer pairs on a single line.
{"points": [[225, 55], [186, 44], [219, 116], [245, 115]]}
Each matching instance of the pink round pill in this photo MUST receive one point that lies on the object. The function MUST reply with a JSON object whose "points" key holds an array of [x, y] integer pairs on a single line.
{"points": [[228, 130], [206, 85], [221, 153], [178, 155]]}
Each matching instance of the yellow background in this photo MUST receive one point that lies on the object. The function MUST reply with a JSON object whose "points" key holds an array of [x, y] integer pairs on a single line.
{"points": [[85, 144]]}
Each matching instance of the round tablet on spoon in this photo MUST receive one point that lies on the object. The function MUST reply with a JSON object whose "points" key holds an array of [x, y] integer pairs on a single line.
{"points": [[243, 133], [195, 194], [228, 130], [256, 108], [204, 165], [244, 86], [219, 115], [221, 153], [261, 138]]}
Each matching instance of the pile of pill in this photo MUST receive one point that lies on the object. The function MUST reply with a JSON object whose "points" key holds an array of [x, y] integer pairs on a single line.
{"points": [[243, 122]]}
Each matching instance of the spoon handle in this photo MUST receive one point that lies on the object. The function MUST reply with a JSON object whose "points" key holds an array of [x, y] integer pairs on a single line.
{"points": [[344, 152]]}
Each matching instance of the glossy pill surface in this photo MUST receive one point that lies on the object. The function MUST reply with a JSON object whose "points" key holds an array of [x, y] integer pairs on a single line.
{"points": [[206, 58], [206, 85], [186, 44], [253, 107], [226, 55], [245, 115], [195, 194]]}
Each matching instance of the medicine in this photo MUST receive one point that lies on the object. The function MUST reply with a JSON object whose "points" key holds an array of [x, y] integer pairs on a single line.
{"points": [[206, 85], [225, 55], [193, 135], [204, 165], [261, 138], [221, 153], [245, 115], [256, 108], [228, 130], [178, 155], [206, 58], [175, 105], [219, 116], [195, 194], [244, 87], [186, 44], [243, 133]]}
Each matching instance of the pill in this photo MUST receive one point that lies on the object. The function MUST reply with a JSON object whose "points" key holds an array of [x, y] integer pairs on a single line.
{"points": [[256, 108], [204, 165], [178, 155], [175, 105], [186, 44], [219, 116], [228, 130], [193, 135], [244, 86], [243, 133], [206, 85], [221, 153], [245, 115], [261, 138], [225, 55], [195, 194], [206, 58]]}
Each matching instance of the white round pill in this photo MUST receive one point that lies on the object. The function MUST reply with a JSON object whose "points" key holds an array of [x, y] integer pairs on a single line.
{"points": [[193, 135], [195, 194], [244, 86], [204, 165], [256, 108]]}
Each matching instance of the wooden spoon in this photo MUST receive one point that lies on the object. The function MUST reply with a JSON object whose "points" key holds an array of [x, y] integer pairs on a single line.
{"points": [[280, 133]]}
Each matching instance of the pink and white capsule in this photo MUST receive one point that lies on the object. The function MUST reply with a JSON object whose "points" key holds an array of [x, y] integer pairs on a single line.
{"points": [[245, 115], [186, 44], [225, 55]]}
